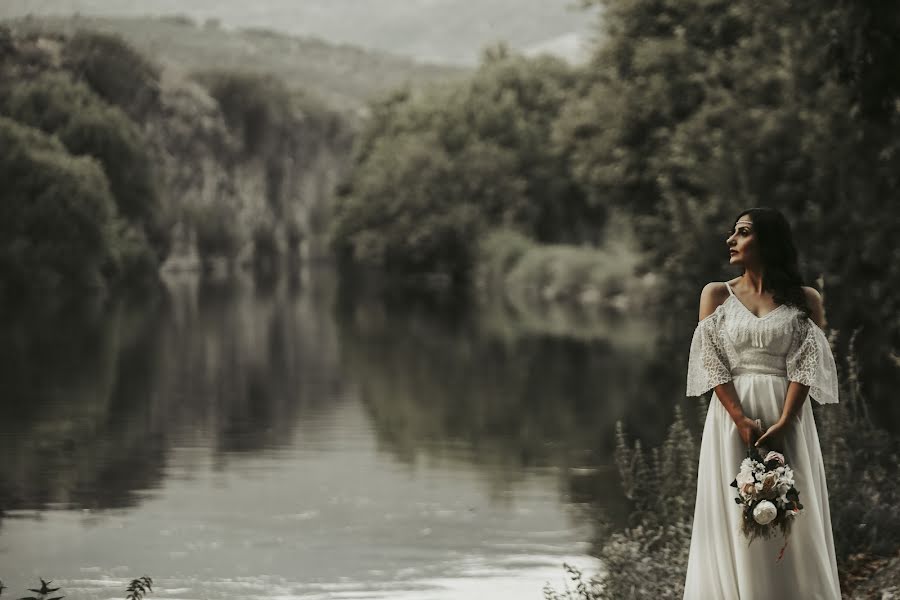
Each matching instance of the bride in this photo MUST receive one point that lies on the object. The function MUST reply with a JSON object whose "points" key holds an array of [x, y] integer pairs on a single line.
{"points": [[759, 345]]}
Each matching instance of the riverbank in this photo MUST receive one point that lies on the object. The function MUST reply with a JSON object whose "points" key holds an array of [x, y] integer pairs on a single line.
{"points": [[608, 278]]}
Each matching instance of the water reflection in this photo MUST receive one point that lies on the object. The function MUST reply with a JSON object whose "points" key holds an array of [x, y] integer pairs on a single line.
{"points": [[396, 445], [76, 415], [518, 399]]}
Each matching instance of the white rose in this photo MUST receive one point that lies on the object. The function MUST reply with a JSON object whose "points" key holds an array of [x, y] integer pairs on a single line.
{"points": [[764, 512]]}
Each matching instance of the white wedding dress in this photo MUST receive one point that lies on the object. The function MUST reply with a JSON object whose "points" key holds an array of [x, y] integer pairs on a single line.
{"points": [[760, 355]]}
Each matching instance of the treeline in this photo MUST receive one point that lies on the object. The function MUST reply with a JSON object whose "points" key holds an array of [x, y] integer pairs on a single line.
{"points": [[686, 113], [104, 155], [436, 169]]}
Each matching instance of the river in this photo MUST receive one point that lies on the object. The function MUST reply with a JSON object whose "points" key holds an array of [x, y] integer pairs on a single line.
{"points": [[291, 439]]}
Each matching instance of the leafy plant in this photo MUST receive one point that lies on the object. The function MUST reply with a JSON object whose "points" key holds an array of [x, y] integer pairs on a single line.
{"points": [[138, 587], [44, 593]]}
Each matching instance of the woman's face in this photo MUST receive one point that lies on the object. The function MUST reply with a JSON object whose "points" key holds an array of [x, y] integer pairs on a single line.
{"points": [[742, 246]]}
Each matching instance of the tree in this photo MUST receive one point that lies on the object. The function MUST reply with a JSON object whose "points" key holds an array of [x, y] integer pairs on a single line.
{"points": [[57, 215], [435, 168], [116, 71], [86, 125]]}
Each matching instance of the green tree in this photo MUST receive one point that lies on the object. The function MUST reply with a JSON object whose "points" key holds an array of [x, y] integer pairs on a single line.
{"points": [[115, 70], [435, 169], [88, 126], [416, 209], [257, 107], [58, 216]]}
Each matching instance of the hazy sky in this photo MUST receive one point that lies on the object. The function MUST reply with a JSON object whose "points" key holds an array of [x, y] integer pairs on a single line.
{"points": [[433, 30]]}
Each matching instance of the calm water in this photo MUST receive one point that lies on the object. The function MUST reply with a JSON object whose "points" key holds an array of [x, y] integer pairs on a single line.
{"points": [[290, 441]]}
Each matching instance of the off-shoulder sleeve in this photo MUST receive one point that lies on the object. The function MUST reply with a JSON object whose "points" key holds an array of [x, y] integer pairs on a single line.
{"points": [[810, 362], [708, 364]]}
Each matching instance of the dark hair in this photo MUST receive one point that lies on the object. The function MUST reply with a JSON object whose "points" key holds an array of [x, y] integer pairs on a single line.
{"points": [[781, 273]]}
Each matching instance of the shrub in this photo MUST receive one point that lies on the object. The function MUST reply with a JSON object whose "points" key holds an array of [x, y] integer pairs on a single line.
{"points": [[512, 264], [498, 253], [56, 213]]}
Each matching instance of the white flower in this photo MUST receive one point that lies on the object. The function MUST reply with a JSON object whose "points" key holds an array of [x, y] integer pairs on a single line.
{"points": [[765, 512], [745, 476]]}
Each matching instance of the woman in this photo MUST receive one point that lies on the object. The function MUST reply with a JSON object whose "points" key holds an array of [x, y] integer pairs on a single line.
{"points": [[760, 346]]}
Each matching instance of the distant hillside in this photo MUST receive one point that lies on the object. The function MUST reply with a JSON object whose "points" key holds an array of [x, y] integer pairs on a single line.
{"points": [[446, 31], [344, 76]]}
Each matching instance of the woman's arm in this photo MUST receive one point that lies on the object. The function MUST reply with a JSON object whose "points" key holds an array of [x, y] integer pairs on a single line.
{"points": [[748, 429], [711, 297], [793, 403], [797, 392]]}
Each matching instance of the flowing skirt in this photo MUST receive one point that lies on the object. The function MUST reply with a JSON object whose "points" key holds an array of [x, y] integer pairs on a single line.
{"points": [[722, 565]]}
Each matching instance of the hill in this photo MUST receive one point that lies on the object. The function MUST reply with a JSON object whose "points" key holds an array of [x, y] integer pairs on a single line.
{"points": [[445, 31], [343, 76]]}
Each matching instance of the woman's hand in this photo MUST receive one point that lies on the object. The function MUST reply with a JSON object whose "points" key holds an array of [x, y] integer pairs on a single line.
{"points": [[749, 429], [772, 432]]}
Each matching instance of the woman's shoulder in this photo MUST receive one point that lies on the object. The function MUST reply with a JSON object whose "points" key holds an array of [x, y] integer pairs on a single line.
{"points": [[713, 295], [815, 304], [813, 297]]}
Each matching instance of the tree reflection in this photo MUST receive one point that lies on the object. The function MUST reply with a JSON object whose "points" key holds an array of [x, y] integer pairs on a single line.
{"points": [[95, 397], [75, 427], [454, 388]]}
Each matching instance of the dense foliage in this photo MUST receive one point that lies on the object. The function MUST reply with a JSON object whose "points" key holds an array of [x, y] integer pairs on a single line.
{"points": [[115, 70], [87, 125], [434, 170], [256, 107], [86, 131], [236, 165], [57, 225]]}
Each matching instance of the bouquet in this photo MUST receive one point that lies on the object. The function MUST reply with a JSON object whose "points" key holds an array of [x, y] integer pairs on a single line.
{"points": [[766, 493]]}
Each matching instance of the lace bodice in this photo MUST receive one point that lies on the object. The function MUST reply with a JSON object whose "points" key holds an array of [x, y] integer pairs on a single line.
{"points": [[732, 341]]}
